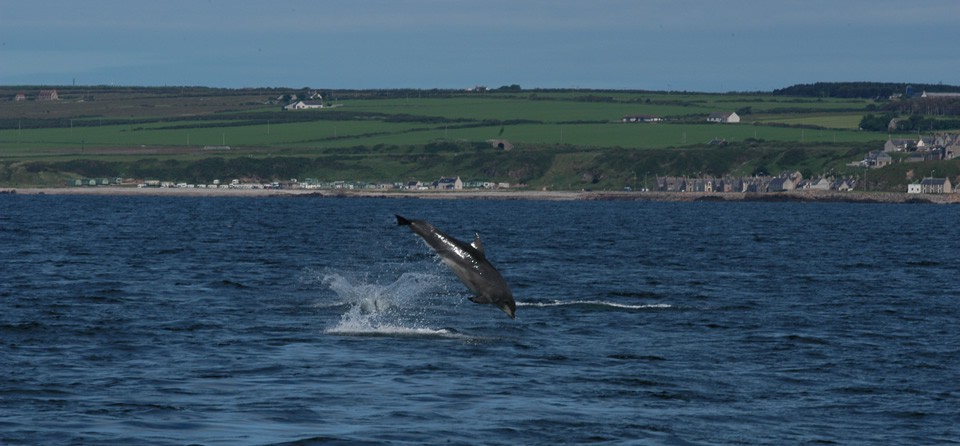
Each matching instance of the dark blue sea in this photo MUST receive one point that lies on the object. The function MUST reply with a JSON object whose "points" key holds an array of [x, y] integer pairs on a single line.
{"points": [[301, 321]]}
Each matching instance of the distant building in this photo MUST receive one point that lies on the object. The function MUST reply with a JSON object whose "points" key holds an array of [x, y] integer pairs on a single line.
{"points": [[303, 105], [924, 143], [927, 155], [844, 185], [822, 183], [781, 184], [641, 118], [899, 145], [48, 95], [950, 143], [939, 95], [20, 97], [882, 159], [876, 159], [448, 183], [724, 117], [936, 186]]}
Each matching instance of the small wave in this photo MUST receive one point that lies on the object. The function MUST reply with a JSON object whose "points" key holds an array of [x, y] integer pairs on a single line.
{"points": [[599, 303]]}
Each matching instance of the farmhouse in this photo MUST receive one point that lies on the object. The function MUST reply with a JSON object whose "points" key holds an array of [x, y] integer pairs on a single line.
{"points": [[303, 105], [48, 95], [641, 118], [20, 97], [724, 117]]}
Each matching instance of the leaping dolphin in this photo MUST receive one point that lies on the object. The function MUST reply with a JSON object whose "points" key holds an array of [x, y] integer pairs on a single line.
{"points": [[469, 264]]}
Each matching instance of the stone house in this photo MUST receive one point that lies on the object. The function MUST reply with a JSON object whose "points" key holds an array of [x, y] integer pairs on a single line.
{"points": [[936, 186], [448, 183]]}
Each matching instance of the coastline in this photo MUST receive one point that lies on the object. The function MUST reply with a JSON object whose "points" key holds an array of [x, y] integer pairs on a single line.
{"points": [[791, 196]]}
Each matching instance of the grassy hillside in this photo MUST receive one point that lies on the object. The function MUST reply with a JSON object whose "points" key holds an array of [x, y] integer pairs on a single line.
{"points": [[557, 139]]}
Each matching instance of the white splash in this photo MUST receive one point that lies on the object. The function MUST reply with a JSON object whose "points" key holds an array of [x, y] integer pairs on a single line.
{"points": [[391, 309]]}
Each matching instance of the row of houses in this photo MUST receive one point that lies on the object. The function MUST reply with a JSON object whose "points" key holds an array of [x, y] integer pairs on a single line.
{"points": [[717, 117], [877, 159], [783, 183], [444, 183], [946, 144], [42, 95], [943, 146]]}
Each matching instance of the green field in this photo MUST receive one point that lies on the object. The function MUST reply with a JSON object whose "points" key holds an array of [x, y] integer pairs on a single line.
{"points": [[534, 118], [373, 135]]}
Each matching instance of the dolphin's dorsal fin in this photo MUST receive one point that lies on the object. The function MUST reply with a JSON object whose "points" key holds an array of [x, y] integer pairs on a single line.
{"points": [[477, 244]]}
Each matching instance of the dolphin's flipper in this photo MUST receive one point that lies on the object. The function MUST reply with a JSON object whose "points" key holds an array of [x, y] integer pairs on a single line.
{"points": [[477, 244], [481, 300], [508, 307]]}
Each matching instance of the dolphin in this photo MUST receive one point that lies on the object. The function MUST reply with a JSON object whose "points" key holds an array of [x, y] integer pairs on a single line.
{"points": [[469, 263]]}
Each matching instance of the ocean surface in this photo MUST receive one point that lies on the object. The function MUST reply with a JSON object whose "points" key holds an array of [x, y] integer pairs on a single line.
{"points": [[257, 321]]}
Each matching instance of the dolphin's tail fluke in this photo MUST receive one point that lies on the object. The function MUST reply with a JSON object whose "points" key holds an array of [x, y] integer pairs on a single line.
{"points": [[402, 221]]}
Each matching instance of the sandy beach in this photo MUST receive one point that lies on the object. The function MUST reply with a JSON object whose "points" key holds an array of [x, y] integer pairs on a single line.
{"points": [[800, 196]]}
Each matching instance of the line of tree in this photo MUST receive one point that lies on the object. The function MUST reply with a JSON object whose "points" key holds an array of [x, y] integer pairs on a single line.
{"points": [[912, 123], [862, 90], [924, 106]]}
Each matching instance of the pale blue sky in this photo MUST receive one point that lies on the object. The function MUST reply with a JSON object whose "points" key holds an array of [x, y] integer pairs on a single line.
{"points": [[717, 46]]}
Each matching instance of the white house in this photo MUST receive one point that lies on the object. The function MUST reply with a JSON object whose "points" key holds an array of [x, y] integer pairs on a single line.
{"points": [[724, 117], [914, 188], [303, 105]]}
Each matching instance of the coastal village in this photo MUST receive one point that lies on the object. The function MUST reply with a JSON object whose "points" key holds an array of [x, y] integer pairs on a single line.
{"points": [[445, 183], [787, 182], [934, 148]]}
